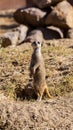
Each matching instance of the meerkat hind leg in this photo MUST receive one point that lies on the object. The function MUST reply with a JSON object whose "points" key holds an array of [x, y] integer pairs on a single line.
{"points": [[47, 93], [39, 92]]}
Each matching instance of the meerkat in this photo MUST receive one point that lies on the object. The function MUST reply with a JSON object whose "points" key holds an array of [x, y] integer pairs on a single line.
{"points": [[37, 71]]}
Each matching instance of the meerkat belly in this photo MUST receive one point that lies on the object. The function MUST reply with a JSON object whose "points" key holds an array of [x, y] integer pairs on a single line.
{"points": [[39, 76]]}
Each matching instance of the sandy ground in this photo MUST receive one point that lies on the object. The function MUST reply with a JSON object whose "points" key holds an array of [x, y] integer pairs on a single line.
{"points": [[52, 114]]}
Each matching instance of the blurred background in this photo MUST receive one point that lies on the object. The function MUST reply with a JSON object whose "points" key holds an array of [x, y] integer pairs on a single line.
{"points": [[13, 4]]}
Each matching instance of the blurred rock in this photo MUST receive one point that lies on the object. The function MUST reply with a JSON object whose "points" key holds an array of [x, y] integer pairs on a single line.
{"points": [[19, 16], [30, 16], [52, 32], [22, 30], [12, 37], [15, 36], [70, 34], [34, 35], [44, 33], [45, 3], [61, 15]]}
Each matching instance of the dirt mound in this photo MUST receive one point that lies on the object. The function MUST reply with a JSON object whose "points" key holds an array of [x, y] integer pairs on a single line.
{"points": [[50, 114]]}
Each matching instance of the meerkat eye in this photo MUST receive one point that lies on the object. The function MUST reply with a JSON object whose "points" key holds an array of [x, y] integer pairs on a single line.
{"points": [[33, 43], [38, 42]]}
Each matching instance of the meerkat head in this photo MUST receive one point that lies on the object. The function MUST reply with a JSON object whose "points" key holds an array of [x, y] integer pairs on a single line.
{"points": [[36, 44]]}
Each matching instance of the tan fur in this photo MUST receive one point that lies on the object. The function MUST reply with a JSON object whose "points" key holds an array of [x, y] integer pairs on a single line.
{"points": [[37, 71]]}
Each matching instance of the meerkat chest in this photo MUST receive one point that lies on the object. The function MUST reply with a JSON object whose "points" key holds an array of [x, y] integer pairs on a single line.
{"points": [[36, 57]]}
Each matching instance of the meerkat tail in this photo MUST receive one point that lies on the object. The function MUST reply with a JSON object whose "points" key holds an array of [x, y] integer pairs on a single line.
{"points": [[47, 93]]}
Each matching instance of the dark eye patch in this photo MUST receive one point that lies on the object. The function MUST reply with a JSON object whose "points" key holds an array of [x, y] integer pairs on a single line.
{"points": [[34, 43], [38, 42]]}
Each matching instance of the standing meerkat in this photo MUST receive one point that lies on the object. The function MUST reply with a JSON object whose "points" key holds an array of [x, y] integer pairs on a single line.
{"points": [[37, 71]]}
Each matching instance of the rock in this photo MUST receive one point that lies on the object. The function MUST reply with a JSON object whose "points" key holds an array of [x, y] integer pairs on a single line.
{"points": [[70, 34], [11, 36], [19, 16], [52, 32], [61, 15], [15, 36], [4, 42], [43, 33], [22, 30], [34, 35], [30, 16], [45, 3]]}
